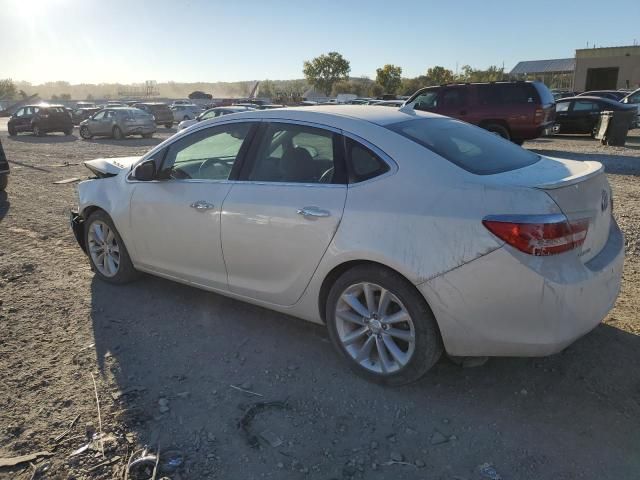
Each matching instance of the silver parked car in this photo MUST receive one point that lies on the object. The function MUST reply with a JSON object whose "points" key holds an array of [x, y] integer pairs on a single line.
{"points": [[118, 123], [213, 113], [185, 112]]}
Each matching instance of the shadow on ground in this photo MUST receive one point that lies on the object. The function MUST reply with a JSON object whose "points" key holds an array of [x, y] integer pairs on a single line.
{"points": [[46, 138], [572, 415]]}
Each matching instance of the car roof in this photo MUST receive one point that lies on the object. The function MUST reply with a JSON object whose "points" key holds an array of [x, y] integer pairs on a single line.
{"points": [[608, 101], [323, 114]]}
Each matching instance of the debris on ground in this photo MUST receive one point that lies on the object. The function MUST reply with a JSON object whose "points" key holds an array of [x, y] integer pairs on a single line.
{"points": [[13, 461], [67, 180], [246, 390], [438, 438], [488, 471], [245, 422]]}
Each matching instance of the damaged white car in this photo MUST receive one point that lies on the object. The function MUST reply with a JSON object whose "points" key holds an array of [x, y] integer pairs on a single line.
{"points": [[406, 233]]}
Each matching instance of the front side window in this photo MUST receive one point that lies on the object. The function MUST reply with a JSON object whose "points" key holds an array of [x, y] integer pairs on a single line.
{"points": [[296, 154], [206, 154], [20, 113], [471, 148], [426, 100], [99, 115], [584, 106], [635, 98], [562, 106], [211, 114]]}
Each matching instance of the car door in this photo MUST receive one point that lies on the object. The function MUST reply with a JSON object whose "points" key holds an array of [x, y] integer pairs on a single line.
{"points": [[454, 102], [584, 115], [20, 121], [95, 123], [282, 214], [562, 116], [175, 221]]}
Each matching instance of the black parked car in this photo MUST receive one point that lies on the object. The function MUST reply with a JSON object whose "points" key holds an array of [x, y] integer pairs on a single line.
{"points": [[4, 170], [81, 114], [161, 112], [581, 114], [611, 94], [40, 119]]}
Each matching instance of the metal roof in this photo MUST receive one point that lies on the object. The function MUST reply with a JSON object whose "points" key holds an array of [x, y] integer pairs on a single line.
{"points": [[543, 66]]}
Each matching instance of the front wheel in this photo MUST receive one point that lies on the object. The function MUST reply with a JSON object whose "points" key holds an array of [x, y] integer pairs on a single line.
{"points": [[382, 326], [37, 131], [68, 131], [107, 254], [85, 133], [117, 133], [147, 135], [12, 131]]}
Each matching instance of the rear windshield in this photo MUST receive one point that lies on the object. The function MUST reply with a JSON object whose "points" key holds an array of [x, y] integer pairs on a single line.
{"points": [[469, 147], [545, 94], [157, 108]]}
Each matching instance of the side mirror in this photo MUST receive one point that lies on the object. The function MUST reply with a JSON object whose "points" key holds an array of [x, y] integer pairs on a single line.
{"points": [[145, 172]]}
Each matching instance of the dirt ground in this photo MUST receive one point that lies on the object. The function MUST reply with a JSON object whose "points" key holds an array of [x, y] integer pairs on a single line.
{"points": [[166, 359]]}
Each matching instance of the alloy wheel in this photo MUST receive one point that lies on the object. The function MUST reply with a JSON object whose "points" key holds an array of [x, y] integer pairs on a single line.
{"points": [[375, 328], [104, 248]]}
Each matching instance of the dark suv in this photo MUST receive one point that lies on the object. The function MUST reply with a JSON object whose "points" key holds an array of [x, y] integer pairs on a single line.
{"points": [[40, 119], [517, 111], [161, 112]]}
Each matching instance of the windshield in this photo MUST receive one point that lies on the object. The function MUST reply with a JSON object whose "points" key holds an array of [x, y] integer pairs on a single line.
{"points": [[469, 147]]}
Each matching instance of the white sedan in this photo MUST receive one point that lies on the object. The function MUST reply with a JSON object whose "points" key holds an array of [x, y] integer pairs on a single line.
{"points": [[404, 232]]}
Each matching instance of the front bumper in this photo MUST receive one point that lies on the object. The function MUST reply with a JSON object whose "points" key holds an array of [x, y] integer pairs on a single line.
{"points": [[508, 303], [77, 225]]}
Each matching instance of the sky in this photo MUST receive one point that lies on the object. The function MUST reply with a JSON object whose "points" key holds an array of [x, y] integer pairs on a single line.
{"points": [[106, 41]]}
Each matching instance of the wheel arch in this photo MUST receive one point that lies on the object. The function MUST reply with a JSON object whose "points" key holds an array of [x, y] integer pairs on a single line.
{"points": [[341, 268], [486, 123]]}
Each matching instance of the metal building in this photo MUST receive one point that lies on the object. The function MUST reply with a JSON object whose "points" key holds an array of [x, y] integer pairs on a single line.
{"points": [[608, 68], [555, 73]]}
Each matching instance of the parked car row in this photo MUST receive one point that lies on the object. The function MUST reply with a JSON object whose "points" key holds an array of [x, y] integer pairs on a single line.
{"points": [[581, 114], [118, 122], [40, 119]]}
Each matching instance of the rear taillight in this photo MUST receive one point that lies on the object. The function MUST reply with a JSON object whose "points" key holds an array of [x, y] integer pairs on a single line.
{"points": [[539, 235], [539, 115]]}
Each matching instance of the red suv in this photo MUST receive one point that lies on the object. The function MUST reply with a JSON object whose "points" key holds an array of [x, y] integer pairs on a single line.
{"points": [[517, 111]]}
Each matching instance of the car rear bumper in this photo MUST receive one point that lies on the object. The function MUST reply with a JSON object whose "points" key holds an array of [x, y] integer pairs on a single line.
{"points": [[508, 303], [138, 129]]}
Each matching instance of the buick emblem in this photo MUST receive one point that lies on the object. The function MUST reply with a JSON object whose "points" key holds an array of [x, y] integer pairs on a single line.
{"points": [[604, 202]]}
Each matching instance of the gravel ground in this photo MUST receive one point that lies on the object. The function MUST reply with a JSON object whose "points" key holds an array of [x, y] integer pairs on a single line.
{"points": [[165, 356]]}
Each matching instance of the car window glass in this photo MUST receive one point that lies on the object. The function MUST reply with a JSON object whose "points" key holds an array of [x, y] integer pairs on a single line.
{"points": [[584, 106], [206, 154], [296, 154], [211, 114], [562, 106], [453, 98], [99, 115], [364, 164], [20, 112], [635, 98], [469, 147], [426, 100]]}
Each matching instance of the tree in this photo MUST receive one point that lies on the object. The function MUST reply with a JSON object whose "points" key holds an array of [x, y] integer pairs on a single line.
{"points": [[410, 86], [7, 89], [65, 96], [389, 77], [89, 98], [376, 90], [323, 71], [439, 75], [54, 98]]}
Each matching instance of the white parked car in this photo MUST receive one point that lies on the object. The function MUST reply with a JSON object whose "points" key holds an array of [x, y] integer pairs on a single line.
{"points": [[213, 113], [405, 232], [185, 112]]}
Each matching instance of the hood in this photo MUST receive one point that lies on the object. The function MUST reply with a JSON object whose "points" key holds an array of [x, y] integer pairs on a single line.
{"points": [[110, 166]]}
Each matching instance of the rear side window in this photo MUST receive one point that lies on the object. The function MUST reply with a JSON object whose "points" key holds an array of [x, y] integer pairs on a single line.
{"points": [[426, 100], [363, 163], [469, 147], [584, 106], [562, 106], [506, 94]]}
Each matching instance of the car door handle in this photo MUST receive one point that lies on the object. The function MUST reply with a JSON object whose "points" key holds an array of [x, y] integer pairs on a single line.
{"points": [[201, 205], [313, 212]]}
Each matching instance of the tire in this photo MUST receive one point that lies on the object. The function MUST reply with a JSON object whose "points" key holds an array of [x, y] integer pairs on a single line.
{"points": [[4, 181], [85, 133], [117, 133], [36, 130], [68, 131], [517, 141], [168, 125], [186, 117], [147, 135], [124, 270], [498, 130], [421, 328], [12, 131]]}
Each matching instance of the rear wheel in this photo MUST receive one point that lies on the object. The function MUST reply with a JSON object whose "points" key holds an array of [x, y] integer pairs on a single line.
{"points": [[37, 131], [107, 254], [382, 326], [498, 130], [117, 133], [85, 133]]}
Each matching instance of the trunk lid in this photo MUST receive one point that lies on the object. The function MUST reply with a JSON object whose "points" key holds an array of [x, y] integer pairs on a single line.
{"points": [[580, 189]]}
